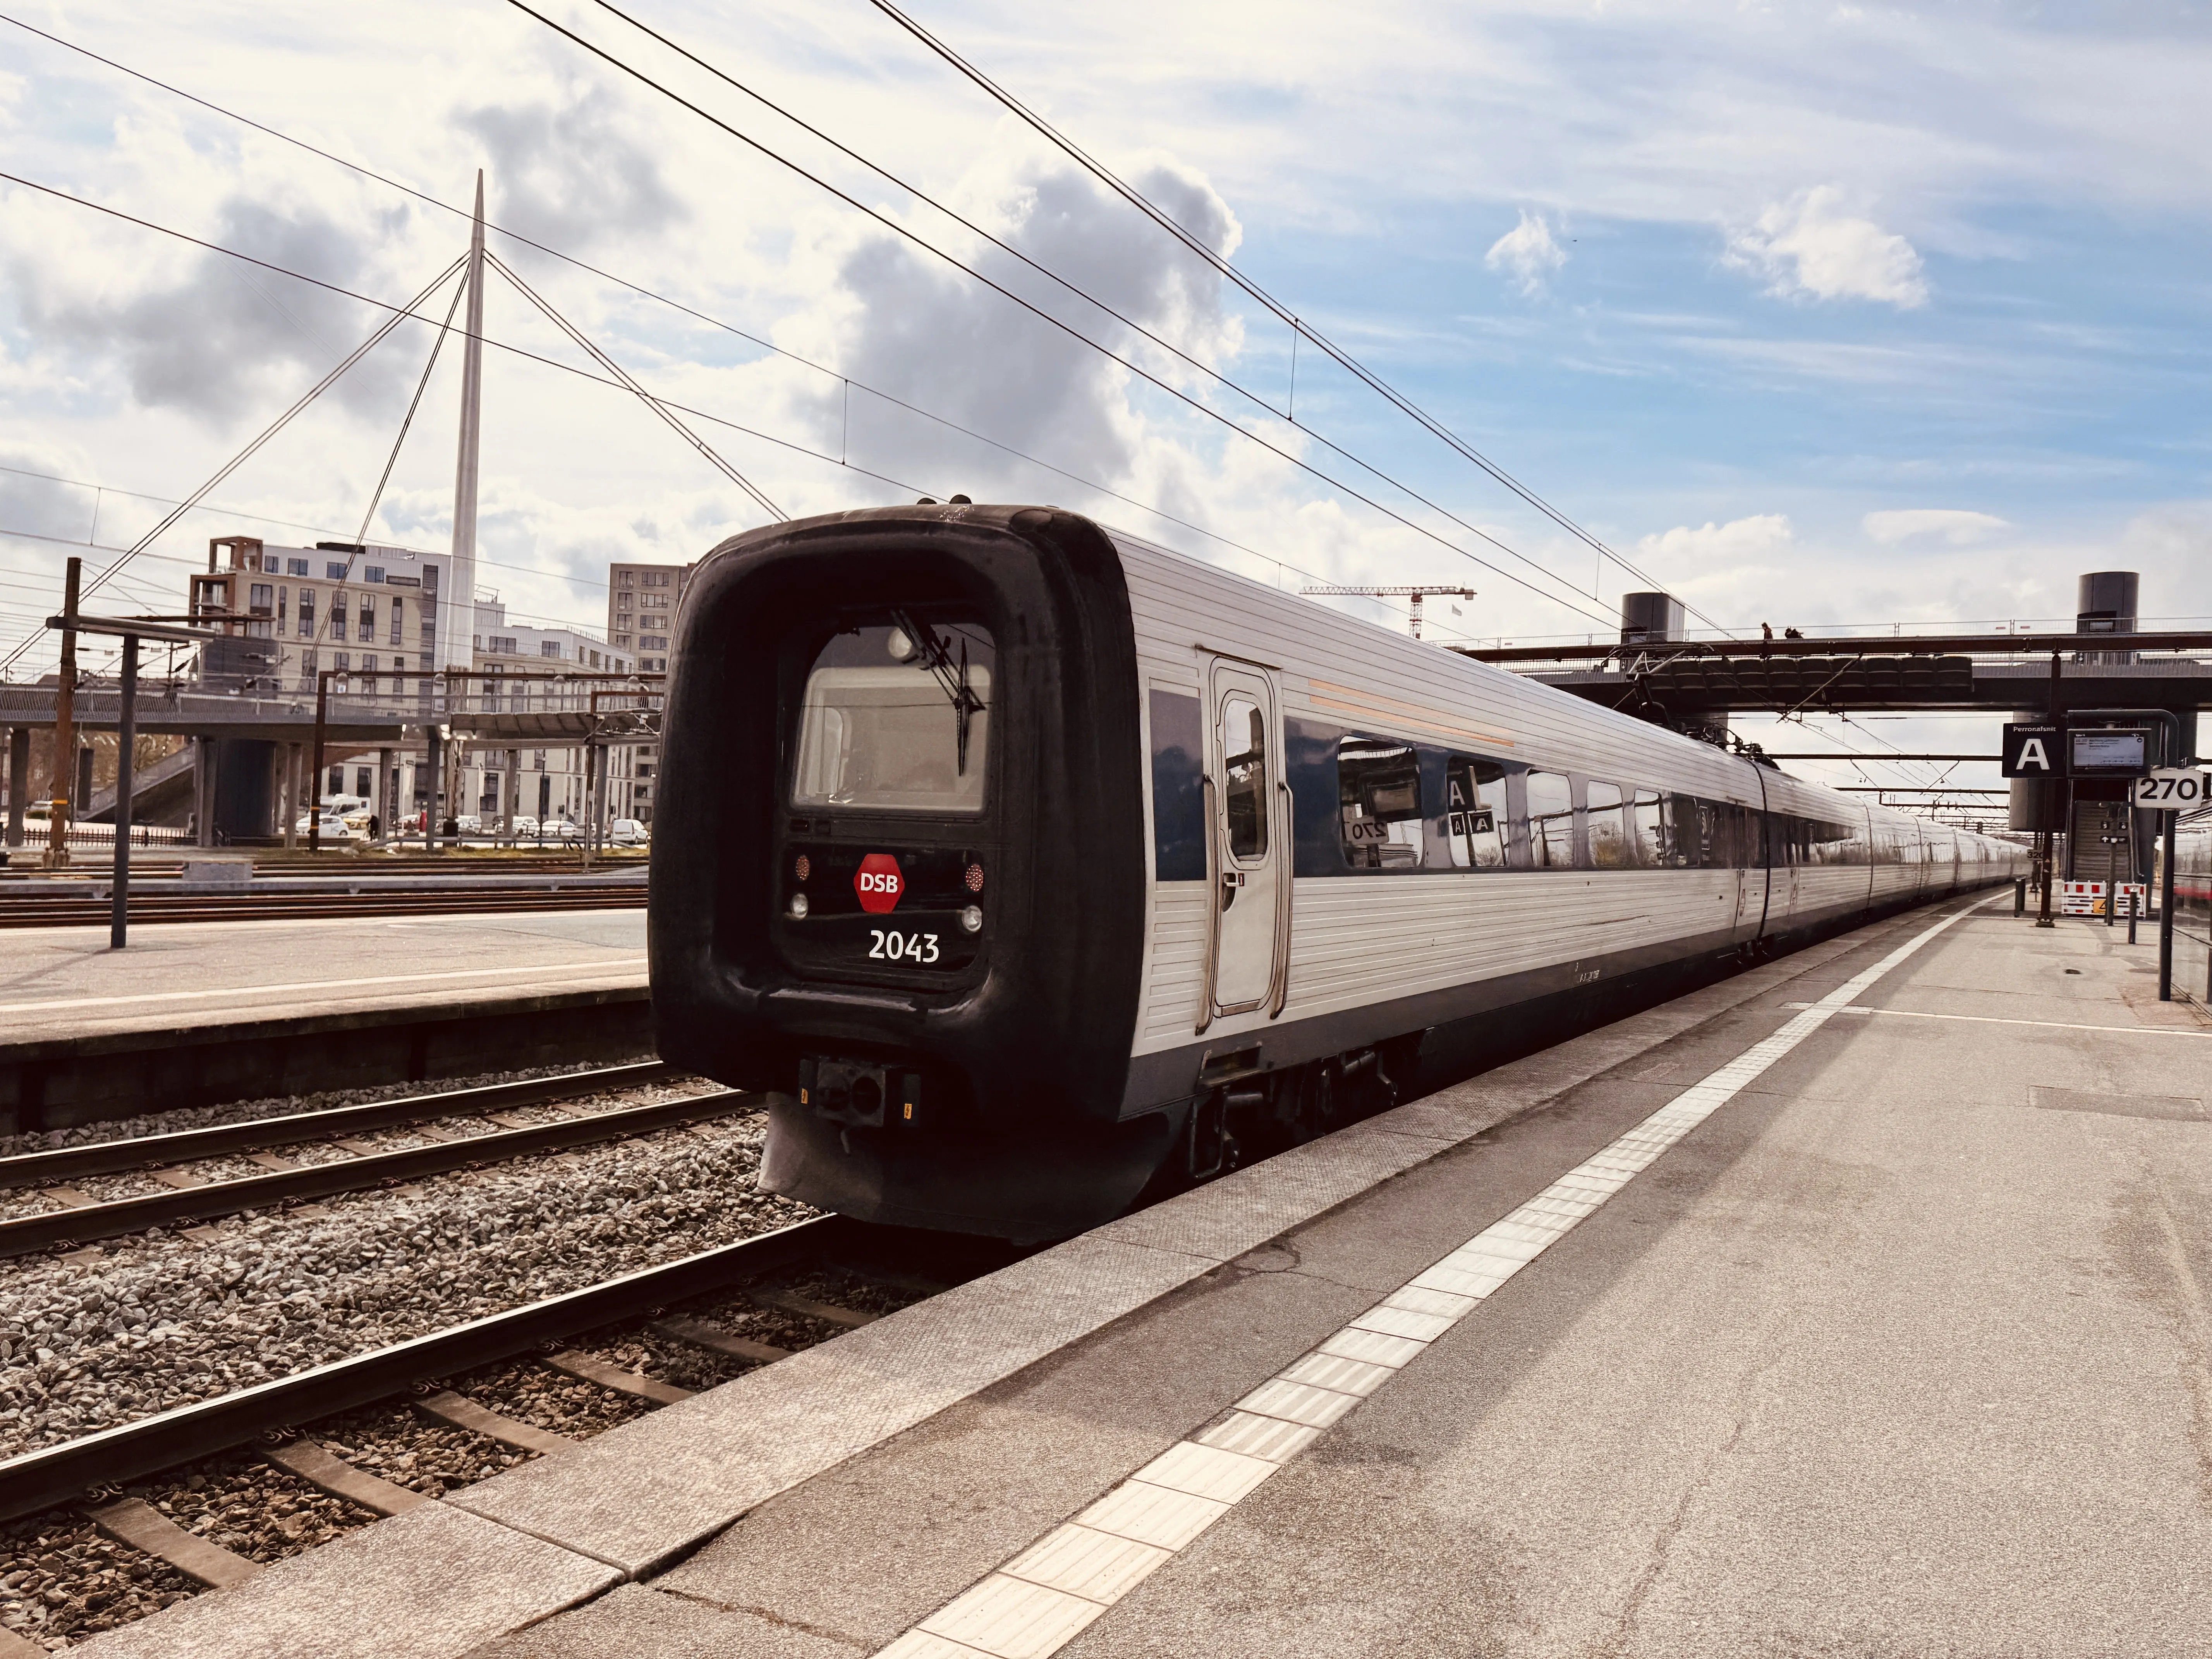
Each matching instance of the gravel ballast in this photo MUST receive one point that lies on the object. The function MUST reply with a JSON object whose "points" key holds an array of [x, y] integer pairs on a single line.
{"points": [[164, 1320]]}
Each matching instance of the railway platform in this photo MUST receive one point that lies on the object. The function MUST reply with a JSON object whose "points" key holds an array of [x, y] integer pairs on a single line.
{"points": [[1855, 1305], [197, 1011]]}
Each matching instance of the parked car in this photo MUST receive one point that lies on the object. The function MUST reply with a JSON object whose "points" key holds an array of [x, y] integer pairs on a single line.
{"points": [[333, 827], [627, 832], [470, 823], [524, 826]]}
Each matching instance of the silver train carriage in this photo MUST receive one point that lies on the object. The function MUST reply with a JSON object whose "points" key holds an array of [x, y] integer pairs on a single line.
{"points": [[1037, 870]]}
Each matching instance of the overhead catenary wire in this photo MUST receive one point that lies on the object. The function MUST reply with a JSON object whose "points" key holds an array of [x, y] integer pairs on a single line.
{"points": [[1196, 245], [376, 337], [1136, 368], [1084, 294], [846, 381], [768, 345], [569, 368]]}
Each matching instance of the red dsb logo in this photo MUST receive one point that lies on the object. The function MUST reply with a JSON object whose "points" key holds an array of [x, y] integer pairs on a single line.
{"points": [[878, 884]]}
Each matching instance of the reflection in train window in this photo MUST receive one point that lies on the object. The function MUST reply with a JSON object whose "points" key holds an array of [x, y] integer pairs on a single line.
{"points": [[896, 717], [1244, 759], [1474, 814], [1654, 818], [1378, 784], [1610, 848], [1551, 821]]}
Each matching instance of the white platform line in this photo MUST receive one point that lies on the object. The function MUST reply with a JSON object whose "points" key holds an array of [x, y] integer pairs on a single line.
{"points": [[1048, 1595], [2049, 1024], [294, 988]]}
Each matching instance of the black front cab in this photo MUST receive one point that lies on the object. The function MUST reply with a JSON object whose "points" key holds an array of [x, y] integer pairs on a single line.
{"points": [[930, 1066]]}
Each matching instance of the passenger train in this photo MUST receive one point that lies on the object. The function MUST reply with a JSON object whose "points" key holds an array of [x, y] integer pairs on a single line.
{"points": [[1037, 870]]}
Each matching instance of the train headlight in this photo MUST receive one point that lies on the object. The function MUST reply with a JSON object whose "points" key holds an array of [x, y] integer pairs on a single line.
{"points": [[972, 918], [902, 649], [798, 906]]}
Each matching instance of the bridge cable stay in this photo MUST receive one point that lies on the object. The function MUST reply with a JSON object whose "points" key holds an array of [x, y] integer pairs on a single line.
{"points": [[630, 382], [375, 338], [730, 328], [768, 437]]}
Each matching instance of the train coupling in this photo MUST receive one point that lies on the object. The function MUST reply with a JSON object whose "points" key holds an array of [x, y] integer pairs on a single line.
{"points": [[860, 1094]]}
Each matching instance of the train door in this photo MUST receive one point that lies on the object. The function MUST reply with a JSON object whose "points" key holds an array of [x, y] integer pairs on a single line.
{"points": [[1249, 841], [1749, 858]]}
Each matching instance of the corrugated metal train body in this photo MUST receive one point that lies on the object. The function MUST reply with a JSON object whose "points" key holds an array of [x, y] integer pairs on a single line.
{"points": [[1359, 942]]}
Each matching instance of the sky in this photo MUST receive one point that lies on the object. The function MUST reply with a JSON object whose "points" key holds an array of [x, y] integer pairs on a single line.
{"points": [[1822, 316]]}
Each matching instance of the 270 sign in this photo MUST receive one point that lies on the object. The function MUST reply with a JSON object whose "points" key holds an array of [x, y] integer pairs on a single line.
{"points": [[2173, 789]]}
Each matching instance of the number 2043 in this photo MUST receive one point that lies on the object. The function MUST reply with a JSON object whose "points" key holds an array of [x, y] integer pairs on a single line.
{"points": [[889, 946]]}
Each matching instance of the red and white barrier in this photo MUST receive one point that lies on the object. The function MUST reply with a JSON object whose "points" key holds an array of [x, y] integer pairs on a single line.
{"points": [[2087, 898]]}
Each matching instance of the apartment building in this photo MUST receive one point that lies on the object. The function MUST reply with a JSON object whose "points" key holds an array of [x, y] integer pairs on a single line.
{"points": [[383, 617], [555, 783], [642, 600], [388, 615]]}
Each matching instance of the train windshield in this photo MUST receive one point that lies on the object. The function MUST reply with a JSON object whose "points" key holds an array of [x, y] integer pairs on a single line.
{"points": [[897, 717]]}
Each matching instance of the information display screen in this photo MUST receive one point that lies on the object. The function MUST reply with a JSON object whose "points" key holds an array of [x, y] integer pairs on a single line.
{"points": [[2113, 752]]}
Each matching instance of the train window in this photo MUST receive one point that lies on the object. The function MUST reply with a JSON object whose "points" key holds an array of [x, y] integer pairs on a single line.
{"points": [[1832, 843], [1551, 821], [1378, 791], [895, 718], [1244, 758], [1610, 848], [1656, 843], [1179, 828], [1474, 813], [1716, 836]]}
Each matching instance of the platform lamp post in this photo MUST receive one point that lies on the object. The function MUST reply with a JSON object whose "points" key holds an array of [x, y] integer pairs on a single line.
{"points": [[126, 738], [315, 786], [57, 805]]}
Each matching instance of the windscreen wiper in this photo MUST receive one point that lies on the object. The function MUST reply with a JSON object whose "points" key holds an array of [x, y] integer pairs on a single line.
{"points": [[952, 679]]}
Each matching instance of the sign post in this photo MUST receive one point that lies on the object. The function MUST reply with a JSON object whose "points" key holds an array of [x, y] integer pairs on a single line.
{"points": [[2037, 749], [2170, 791], [2034, 750]]}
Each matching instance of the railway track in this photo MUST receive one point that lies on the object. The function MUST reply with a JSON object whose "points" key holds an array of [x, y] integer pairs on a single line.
{"points": [[185, 1198], [136, 1483], [251, 905], [201, 1495]]}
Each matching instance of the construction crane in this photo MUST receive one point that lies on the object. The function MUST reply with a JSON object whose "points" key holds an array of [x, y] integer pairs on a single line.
{"points": [[1416, 594]]}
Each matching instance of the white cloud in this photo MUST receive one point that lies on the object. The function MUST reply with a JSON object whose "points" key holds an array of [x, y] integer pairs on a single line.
{"points": [[912, 327], [1703, 548], [1955, 526], [1811, 246], [1526, 255]]}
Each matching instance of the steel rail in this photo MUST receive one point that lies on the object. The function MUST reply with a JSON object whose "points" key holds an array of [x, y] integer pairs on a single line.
{"points": [[158, 1151], [39, 1480], [184, 1207]]}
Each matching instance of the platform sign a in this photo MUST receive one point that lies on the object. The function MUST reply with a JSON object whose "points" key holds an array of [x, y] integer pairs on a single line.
{"points": [[2034, 751], [2173, 789]]}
